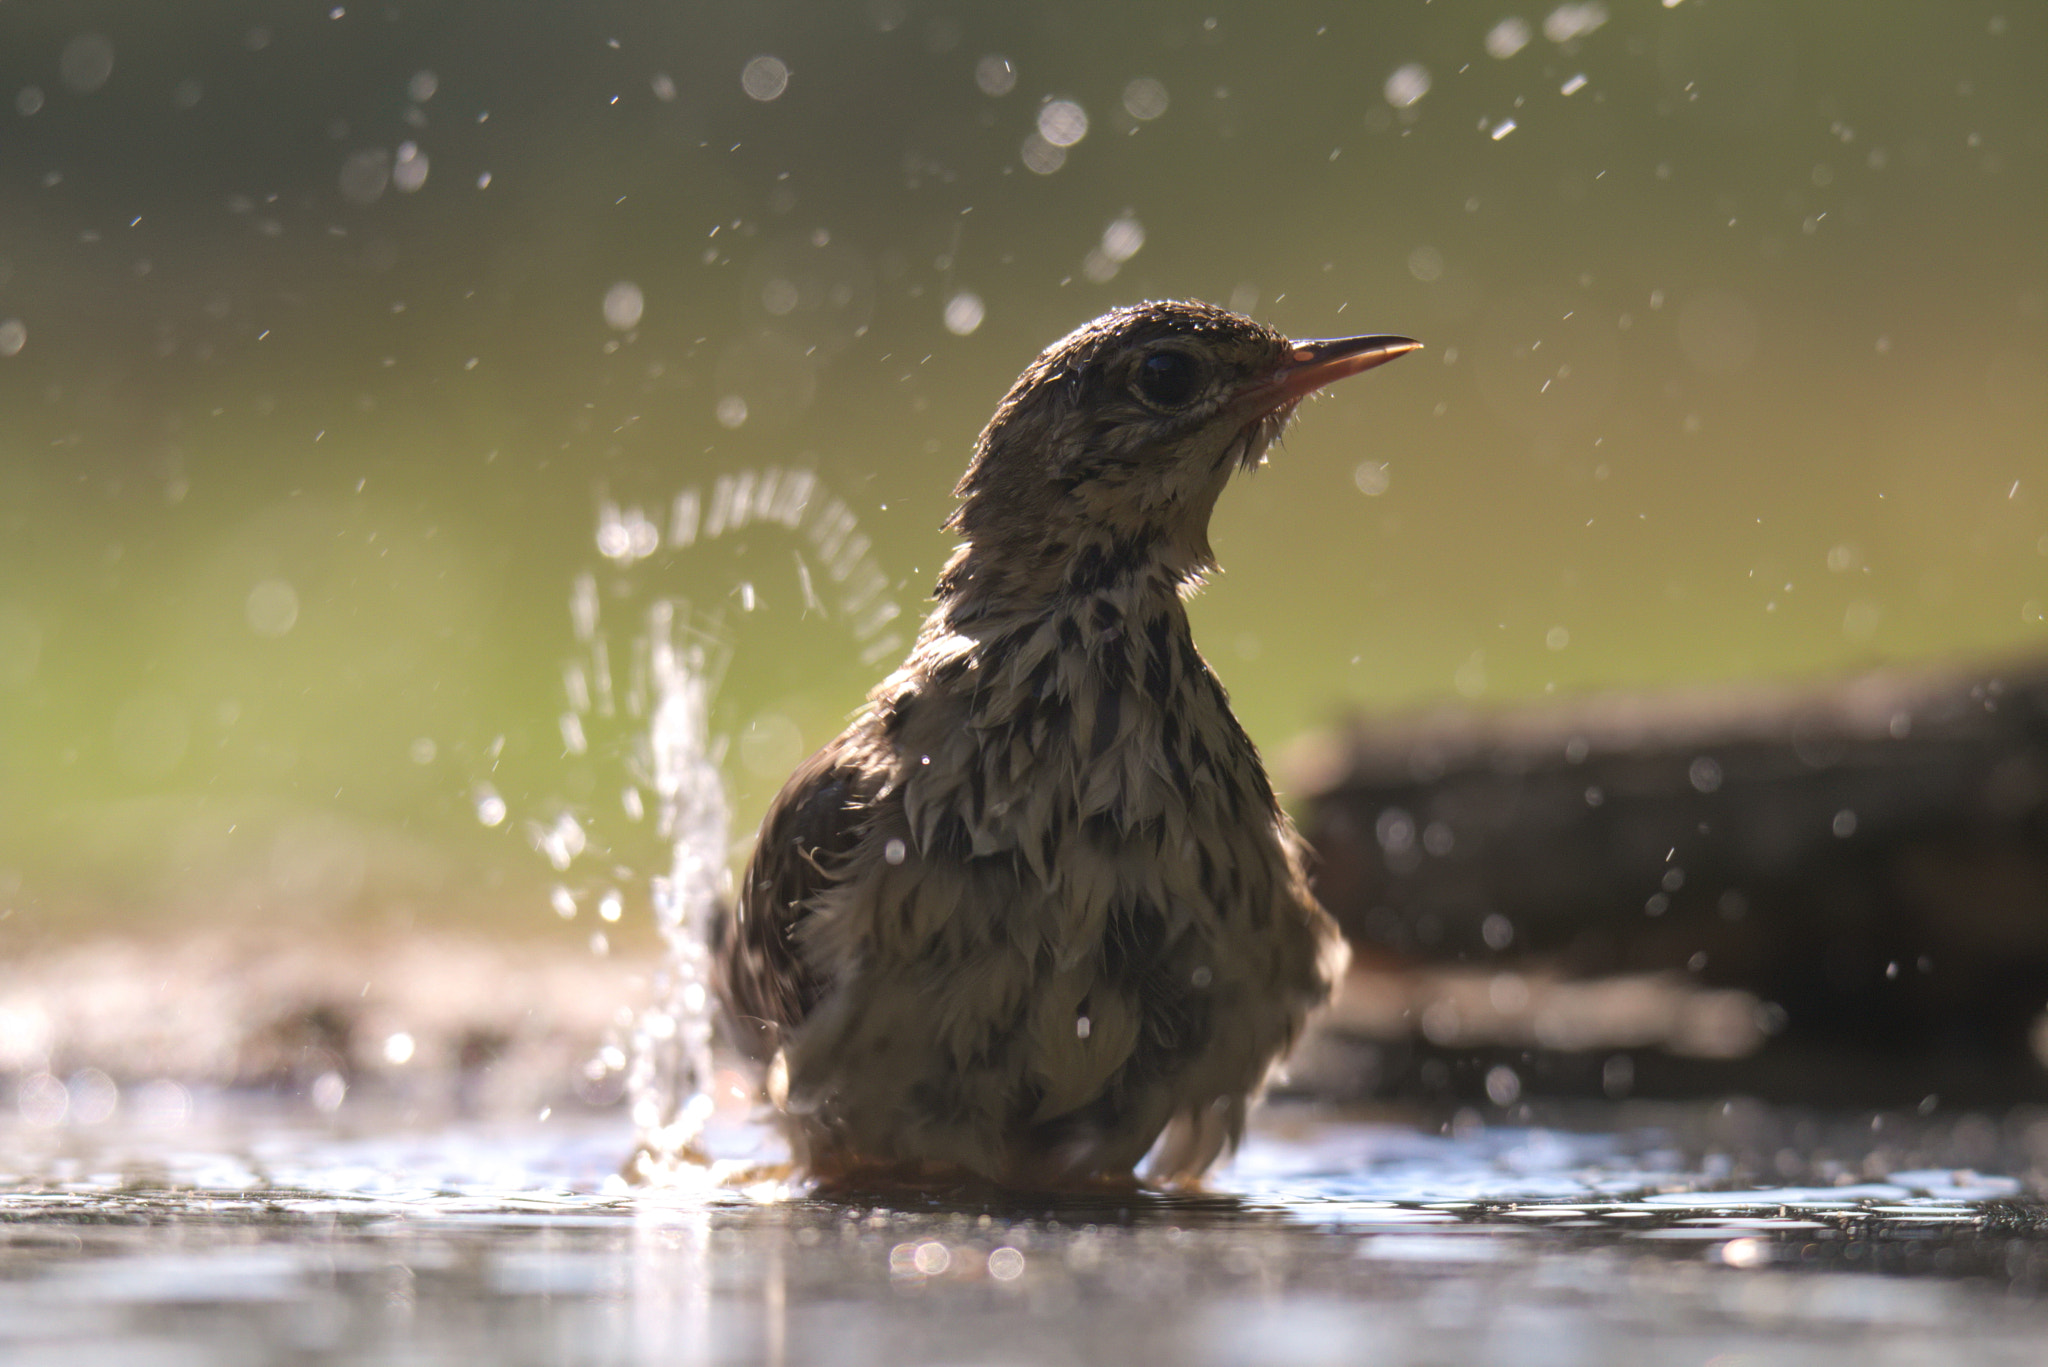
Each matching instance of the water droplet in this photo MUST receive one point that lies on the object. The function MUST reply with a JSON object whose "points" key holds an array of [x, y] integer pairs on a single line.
{"points": [[365, 176], [409, 170], [272, 608], [1041, 157], [963, 313], [560, 842], [1470, 677], [994, 75], [94, 1096], [779, 296], [764, 78], [1395, 830], [1062, 123], [623, 306], [328, 1092], [894, 851], [1407, 84], [1123, 238], [1145, 99], [1507, 38], [86, 63], [41, 1100], [1570, 21]]}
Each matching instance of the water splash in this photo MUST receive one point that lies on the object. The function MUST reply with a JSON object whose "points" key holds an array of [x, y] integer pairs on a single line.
{"points": [[671, 1078], [649, 710], [795, 500]]}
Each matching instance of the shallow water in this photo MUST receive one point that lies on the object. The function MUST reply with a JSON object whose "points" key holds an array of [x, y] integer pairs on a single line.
{"points": [[253, 1235]]}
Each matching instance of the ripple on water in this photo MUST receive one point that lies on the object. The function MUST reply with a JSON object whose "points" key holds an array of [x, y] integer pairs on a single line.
{"points": [[247, 1232]]}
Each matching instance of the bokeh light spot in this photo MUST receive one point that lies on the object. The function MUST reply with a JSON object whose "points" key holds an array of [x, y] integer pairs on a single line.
{"points": [[87, 62], [1062, 123], [1507, 38], [765, 78], [1145, 98], [1408, 84], [623, 306], [272, 608], [964, 313], [409, 170], [365, 176], [1571, 21], [994, 75], [1042, 157]]}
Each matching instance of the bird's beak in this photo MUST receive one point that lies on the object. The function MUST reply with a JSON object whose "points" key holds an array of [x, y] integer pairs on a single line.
{"points": [[1311, 365]]}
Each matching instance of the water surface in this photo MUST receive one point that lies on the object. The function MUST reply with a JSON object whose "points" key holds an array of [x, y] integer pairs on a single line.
{"points": [[253, 1236]]}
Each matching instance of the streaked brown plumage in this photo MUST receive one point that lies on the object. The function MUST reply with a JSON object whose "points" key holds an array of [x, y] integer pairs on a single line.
{"points": [[1037, 906]]}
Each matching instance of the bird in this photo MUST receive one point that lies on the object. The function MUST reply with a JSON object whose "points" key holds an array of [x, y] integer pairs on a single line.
{"points": [[1036, 914]]}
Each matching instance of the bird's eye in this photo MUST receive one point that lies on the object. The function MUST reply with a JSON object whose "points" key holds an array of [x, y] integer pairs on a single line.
{"points": [[1168, 379]]}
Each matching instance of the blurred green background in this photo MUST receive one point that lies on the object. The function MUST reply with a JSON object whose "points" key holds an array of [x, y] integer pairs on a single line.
{"points": [[326, 330]]}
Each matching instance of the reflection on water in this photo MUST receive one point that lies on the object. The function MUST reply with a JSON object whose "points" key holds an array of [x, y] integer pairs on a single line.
{"points": [[248, 1237]]}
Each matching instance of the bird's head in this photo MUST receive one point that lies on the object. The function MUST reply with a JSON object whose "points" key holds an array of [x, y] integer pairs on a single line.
{"points": [[1122, 434]]}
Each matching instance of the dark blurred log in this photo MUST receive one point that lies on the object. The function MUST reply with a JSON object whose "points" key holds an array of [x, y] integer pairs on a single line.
{"points": [[1867, 857]]}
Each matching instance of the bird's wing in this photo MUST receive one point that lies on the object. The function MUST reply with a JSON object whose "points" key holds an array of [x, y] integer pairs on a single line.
{"points": [[812, 826]]}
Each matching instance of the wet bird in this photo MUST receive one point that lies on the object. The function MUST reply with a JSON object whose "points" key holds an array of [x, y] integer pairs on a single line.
{"points": [[1037, 914]]}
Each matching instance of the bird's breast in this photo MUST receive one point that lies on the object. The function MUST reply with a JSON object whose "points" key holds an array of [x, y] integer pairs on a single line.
{"points": [[1096, 720]]}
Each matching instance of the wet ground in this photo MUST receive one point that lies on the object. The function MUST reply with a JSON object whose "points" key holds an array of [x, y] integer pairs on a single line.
{"points": [[236, 1231]]}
